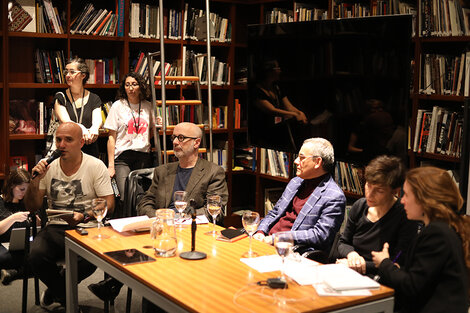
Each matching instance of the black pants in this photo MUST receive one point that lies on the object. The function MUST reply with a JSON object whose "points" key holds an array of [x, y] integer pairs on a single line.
{"points": [[47, 248]]}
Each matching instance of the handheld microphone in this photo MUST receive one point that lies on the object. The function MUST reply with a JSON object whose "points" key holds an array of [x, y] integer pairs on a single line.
{"points": [[55, 154]]}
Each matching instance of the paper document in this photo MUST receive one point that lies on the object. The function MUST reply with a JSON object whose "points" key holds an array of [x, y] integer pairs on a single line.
{"points": [[131, 223], [324, 290], [295, 266], [200, 219], [341, 277]]}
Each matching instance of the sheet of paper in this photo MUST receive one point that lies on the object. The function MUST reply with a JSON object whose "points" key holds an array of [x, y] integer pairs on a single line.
{"points": [[341, 277], [263, 264], [200, 219], [325, 290], [127, 223]]}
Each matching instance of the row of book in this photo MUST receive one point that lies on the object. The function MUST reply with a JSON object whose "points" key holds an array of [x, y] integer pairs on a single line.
{"points": [[105, 107], [194, 25], [219, 117], [445, 74], [347, 9], [140, 65], [219, 154], [103, 71], [35, 16], [49, 66], [237, 116], [195, 64], [349, 177], [244, 157], [98, 22], [443, 18], [179, 113], [145, 22], [308, 12], [274, 163], [438, 131]]}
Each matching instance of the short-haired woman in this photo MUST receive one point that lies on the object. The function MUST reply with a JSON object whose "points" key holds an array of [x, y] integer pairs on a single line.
{"points": [[377, 218], [79, 105]]}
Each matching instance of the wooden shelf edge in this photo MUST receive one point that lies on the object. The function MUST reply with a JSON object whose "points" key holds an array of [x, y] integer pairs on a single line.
{"points": [[277, 178], [27, 136], [36, 35], [435, 156]]}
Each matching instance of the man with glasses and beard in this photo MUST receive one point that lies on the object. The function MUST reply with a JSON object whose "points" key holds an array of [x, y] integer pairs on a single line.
{"points": [[196, 176]]}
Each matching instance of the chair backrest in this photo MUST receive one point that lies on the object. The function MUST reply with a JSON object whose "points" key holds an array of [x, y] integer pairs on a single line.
{"points": [[334, 249], [137, 184]]}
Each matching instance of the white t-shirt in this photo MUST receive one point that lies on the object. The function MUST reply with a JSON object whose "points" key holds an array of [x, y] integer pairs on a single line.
{"points": [[132, 132], [75, 192]]}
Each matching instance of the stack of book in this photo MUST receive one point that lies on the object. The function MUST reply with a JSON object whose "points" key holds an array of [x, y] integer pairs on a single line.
{"points": [[438, 131], [97, 22], [245, 158]]}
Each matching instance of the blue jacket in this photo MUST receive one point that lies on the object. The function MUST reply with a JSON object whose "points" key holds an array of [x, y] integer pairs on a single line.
{"points": [[320, 218]]}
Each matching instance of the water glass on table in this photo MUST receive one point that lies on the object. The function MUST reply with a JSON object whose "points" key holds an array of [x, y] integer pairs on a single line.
{"points": [[99, 208], [214, 205], [250, 221], [179, 200]]}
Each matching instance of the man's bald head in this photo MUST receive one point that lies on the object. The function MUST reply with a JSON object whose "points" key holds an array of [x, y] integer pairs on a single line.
{"points": [[189, 129], [71, 128]]}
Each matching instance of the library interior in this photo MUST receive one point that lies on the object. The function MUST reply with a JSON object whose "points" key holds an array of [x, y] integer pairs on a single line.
{"points": [[274, 153]]}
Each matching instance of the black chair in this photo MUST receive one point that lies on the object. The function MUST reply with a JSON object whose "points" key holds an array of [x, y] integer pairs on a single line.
{"points": [[137, 184], [320, 256], [30, 228]]}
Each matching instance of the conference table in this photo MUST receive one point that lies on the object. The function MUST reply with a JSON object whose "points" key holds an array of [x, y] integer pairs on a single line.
{"points": [[218, 283]]}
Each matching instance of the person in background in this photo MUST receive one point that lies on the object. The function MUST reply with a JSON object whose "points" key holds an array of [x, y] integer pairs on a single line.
{"points": [[130, 124], [79, 105], [312, 205], [436, 273], [70, 183], [198, 177], [377, 218], [12, 215]]}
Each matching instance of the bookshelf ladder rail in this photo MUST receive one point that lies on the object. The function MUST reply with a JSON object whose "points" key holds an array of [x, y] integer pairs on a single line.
{"points": [[158, 149], [163, 88], [209, 77]]}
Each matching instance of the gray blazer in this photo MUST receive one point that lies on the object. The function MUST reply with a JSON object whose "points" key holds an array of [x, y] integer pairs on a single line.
{"points": [[206, 178]]}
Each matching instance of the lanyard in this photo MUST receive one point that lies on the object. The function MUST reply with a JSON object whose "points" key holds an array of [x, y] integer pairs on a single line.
{"points": [[136, 124], [79, 121]]}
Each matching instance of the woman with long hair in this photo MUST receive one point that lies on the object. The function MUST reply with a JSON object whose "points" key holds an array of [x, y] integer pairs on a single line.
{"points": [[436, 272], [79, 105], [12, 215], [130, 125]]}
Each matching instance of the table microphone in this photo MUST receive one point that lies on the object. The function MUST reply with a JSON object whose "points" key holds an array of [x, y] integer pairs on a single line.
{"points": [[55, 154], [193, 255]]}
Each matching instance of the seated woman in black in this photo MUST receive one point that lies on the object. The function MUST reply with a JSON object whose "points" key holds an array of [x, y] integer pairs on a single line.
{"points": [[12, 214], [436, 273], [377, 218]]}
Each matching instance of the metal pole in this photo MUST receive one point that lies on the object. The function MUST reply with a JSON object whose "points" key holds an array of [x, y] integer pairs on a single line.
{"points": [[209, 76], [158, 150], [162, 65]]}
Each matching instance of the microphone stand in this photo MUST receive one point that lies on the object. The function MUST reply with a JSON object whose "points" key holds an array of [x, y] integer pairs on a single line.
{"points": [[193, 255]]}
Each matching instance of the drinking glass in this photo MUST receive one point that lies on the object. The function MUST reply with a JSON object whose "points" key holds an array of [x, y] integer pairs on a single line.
{"points": [[179, 200], [213, 208], [250, 221], [283, 242], [99, 208]]}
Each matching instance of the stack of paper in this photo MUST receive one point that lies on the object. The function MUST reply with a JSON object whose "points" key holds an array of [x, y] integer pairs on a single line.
{"points": [[341, 277]]}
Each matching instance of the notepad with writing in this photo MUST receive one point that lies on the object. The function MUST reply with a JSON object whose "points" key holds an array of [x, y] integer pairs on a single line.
{"points": [[341, 277], [231, 234]]}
